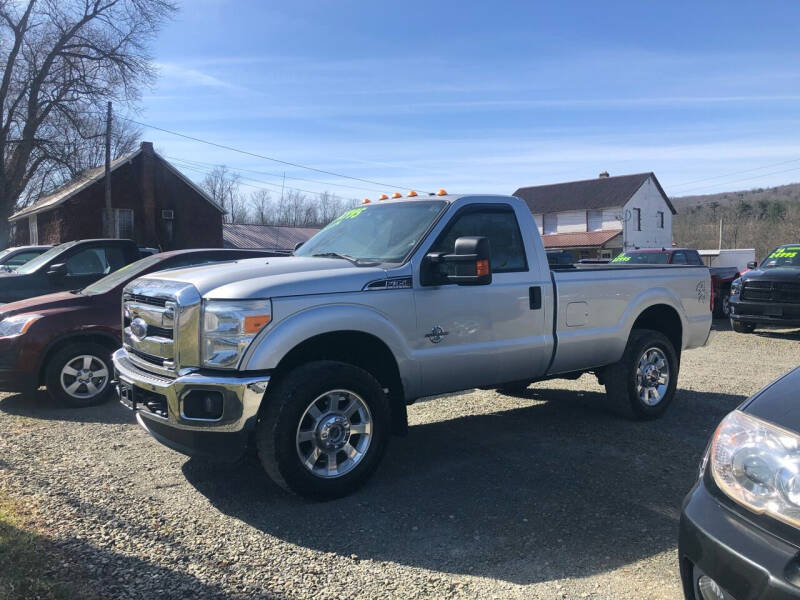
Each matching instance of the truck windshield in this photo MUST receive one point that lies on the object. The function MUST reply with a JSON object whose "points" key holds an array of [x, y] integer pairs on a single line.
{"points": [[375, 232], [642, 258], [785, 256], [43, 259]]}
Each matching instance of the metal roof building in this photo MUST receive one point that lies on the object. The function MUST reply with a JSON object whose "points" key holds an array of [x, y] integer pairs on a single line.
{"points": [[265, 237]]}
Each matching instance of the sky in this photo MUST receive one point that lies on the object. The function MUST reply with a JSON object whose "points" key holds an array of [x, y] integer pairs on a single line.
{"points": [[480, 96]]}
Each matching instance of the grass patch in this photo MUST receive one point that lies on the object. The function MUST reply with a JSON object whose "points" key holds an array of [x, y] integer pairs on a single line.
{"points": [[25, 557]]}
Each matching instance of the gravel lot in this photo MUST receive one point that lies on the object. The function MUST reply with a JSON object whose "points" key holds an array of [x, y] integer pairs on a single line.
{"points": [[489, 496]]}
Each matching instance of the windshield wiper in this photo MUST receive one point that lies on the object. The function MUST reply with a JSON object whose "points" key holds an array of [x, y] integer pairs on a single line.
{"points": [[346, 257]]}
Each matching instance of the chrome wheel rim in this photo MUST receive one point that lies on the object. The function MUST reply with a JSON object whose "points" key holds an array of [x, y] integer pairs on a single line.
{"points": [[334, 433], [84, 376], [652, 376]]}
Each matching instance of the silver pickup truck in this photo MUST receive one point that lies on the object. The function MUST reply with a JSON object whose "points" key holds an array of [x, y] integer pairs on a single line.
{"points": [[313, 358]]}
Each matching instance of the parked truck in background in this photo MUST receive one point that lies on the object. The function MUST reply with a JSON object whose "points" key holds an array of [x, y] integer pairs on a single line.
{"points": [[314, 357], [768, 295]]}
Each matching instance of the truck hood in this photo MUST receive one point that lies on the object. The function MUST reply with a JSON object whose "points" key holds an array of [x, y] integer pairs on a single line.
{"points": [[773, 274], [274, 277]]}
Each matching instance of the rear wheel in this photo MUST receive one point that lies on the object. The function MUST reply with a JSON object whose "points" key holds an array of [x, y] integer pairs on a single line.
{"points": [[724, 304], [323, 429], [79, 374], [642, 384], [743, 327]]}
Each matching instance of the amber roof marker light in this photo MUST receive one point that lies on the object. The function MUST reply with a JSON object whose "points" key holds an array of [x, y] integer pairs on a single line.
{"points": [[412, 194], [441, 193], [366, 201], [383, 197], [397, 195]]}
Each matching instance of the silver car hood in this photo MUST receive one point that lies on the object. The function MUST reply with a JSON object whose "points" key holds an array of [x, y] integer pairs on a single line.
{"points": [[273, 277]]}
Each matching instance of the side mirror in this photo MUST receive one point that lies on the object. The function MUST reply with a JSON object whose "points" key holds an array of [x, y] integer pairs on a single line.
{"points": [[59, 270], [752, 265], [471, 259], [297, 246]]}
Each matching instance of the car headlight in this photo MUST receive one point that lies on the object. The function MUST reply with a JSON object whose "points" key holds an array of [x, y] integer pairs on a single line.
{"points": [[17, 325], [736, 286], [757, 464], [228, 328]]}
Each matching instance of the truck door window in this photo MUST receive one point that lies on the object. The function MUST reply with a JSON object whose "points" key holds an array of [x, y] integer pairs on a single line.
{"points": [[89, 261], [497, 224], [679, 258], [694, 258]]}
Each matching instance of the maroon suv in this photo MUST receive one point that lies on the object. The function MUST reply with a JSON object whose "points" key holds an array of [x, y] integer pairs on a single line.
{"points": [[65, 340]]}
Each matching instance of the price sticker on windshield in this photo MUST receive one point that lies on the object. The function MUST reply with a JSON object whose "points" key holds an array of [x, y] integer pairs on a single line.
{"points": [[621, 258], [350, 214], [787, 252]]}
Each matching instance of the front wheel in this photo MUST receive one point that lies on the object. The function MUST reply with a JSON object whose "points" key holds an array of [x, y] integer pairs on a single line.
{"points": [[79, 374], [323, 429], [642, 384]]}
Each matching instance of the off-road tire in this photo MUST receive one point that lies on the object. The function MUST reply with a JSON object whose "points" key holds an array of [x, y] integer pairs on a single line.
{"points": [[62, 357], [283, 409], [740, 327], [620, 378]]}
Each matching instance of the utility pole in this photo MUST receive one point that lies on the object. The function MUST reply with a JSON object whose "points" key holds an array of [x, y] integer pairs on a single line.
{"points": [[283, 185], [109, 213], [720, 234]]}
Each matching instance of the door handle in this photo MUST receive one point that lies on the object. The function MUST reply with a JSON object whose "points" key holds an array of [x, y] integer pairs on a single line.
{"points": [[535, 297]]}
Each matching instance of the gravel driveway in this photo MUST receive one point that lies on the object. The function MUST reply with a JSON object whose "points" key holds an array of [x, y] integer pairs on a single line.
{"points": [[490, 496]]}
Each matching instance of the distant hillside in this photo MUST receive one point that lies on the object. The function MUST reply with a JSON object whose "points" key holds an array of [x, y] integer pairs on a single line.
{"points": [[761, 218]]}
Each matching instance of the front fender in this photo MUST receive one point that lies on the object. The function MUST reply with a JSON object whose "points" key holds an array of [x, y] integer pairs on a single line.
{"points": [[271, 345]]}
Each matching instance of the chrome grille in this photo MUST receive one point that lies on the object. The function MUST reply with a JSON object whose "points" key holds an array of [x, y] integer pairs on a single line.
{"points": [[160, 325]]}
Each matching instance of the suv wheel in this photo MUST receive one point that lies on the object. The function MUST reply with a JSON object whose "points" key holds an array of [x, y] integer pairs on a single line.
{"points": [[80, 374], [642, 384], [323, 429]]}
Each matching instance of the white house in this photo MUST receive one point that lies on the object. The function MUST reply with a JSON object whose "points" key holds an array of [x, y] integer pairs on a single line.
{"points": [[598, 218]]}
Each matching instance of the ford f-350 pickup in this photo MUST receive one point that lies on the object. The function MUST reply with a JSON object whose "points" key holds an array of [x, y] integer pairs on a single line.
{"points": [[313, 358]]}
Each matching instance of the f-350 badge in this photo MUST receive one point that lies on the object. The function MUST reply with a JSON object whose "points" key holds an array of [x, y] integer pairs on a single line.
{"points": [[436, 335]]}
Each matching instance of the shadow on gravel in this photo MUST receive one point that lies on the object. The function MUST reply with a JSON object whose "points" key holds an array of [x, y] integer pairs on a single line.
{"points": [[558, 489], [780, 334], [38, 567], [41, 406]]}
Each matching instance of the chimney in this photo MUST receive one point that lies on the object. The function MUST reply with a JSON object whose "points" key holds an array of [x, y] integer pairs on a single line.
{"points": [[603, 175], [148, 196]]}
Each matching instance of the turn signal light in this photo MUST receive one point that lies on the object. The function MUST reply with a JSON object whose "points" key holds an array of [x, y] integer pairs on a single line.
{"points": [[383, 197], [482, 268], [255, 323], [441, 193], [412, 193], [397, 195]]}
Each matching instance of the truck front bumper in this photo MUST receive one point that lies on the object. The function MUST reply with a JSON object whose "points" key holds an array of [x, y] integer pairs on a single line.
{"points": [[161, 408], [763, 313]]}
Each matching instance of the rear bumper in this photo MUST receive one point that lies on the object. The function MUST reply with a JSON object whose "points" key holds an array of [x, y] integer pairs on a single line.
{"points": [[224, 438], [745, 561]]}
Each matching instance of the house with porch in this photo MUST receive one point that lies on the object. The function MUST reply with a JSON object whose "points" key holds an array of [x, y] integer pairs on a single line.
{"points": [[599, 218]]}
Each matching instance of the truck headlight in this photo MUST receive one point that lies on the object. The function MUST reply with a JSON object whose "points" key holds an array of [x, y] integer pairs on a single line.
{"points": [[17, 325], [736, 286], [757, 464], [228, 328]]}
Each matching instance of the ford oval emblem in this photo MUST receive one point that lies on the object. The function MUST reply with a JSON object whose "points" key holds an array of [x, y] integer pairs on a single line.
{"points": [[139, 328]]}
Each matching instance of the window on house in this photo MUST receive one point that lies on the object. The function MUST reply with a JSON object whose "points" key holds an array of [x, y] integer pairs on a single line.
{"points": [[550, 223], [123, 223], [637, 218], [33, 231], [594, 220], [661, 219]]}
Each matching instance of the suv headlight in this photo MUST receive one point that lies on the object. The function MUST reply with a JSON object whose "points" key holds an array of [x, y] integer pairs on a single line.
{"points": [[17, 325], [228, 328], [757, 464]]}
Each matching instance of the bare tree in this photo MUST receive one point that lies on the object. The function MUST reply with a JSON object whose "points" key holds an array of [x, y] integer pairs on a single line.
{"points": [[263, 209], [62, 61], [222, 185]]}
